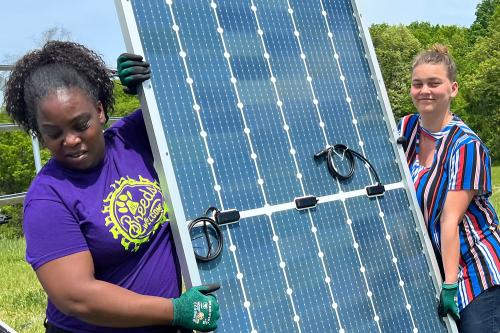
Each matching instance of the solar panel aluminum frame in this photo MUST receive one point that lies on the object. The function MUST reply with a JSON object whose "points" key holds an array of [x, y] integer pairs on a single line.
{"points": [[164, 165]]}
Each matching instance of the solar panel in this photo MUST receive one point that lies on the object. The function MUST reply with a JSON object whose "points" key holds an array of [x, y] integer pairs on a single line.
{"points": [[243, 95]]}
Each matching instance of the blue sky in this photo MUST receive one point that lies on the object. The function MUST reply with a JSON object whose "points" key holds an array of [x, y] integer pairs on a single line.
{"points": [[95, 22]]}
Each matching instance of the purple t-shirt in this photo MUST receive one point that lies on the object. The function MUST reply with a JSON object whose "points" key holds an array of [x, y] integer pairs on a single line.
{"points": [[116, 211]]}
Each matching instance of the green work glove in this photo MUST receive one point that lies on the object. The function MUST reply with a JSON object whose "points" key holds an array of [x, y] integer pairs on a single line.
{"points": [[448, 300], [196, 309], [132, 71]]}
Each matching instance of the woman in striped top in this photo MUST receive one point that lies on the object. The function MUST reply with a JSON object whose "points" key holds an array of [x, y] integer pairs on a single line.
{"points": [[450, 167]]}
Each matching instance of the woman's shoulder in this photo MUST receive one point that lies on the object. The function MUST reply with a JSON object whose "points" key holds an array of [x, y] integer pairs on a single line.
{"points": [[408, 123], [465, 139], [410, 118], [133, 119], [129, 135], [130, 129], [413, 116], [465, 133]]}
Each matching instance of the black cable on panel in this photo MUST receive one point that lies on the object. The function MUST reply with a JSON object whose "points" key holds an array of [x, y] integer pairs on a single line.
{"points": [[212, 220], [207, 221], [349, 154]]}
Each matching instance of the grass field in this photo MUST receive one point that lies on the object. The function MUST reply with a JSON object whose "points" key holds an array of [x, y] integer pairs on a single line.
{"points": [[22, 300], [495, 176]]}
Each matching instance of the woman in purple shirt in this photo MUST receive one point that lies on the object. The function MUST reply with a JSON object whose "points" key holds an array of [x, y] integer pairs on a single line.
{"points": [[95, 219]]}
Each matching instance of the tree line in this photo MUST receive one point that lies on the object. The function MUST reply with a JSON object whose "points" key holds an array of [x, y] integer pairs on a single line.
{"points": [[476, 50]]}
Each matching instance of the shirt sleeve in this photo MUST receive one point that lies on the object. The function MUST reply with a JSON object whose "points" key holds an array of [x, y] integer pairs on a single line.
{"points": [[406, 124], [132, 131], [51, 232], [470, 169]]}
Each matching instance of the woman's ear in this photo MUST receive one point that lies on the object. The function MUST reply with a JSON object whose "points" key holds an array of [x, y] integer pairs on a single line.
{"points": [[41, 142], [454, 89], [101, 114]]}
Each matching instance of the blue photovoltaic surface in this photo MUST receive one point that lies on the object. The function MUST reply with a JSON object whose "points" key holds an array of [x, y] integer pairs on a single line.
{"points": [[248, 92]]}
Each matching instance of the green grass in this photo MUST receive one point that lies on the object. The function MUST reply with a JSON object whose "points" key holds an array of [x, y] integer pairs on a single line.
{"points": [[22, 299], [495, 181]]}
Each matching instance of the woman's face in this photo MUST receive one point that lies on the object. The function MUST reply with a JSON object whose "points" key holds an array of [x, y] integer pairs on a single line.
{"points": [[431, 90], [70, 123]]}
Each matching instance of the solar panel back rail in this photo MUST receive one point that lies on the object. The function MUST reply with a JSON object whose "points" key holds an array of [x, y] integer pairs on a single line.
{"points": [[243, 95]]}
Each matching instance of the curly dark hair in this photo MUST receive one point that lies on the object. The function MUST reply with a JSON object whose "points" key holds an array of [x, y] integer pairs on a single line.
{"points": [[56, 65]]}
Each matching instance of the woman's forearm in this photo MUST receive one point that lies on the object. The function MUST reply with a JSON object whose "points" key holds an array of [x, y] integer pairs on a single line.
{"points": [[450, 249], [105, 304], [70, 284], [453, 212]]}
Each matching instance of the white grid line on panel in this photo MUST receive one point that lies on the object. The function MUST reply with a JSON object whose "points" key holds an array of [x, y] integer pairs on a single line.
{"points": [[279, 103], [204, 135], [309, 78], [349, 221], [394, 258], [361, 144], [315, 102], [292, 151], [270, 209], [253, 156]]}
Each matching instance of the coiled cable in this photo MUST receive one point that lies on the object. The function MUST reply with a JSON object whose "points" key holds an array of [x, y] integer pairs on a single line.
{"points": [[208, 223], [348, 154]]}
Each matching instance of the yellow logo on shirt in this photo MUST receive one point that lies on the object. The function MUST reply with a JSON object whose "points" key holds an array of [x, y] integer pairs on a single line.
{"points": [[135, 208]]}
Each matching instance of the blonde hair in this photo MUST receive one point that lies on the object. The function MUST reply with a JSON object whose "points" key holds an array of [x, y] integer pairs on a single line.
{"points": [[437, 54]]}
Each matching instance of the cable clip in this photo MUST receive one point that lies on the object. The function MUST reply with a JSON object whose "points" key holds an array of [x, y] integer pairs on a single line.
{"points": [[306, 202], [227, 216], [320, 154], [376, 190]]}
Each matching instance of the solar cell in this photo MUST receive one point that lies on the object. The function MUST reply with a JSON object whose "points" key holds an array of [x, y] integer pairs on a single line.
{"points": [[243, 95]]}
